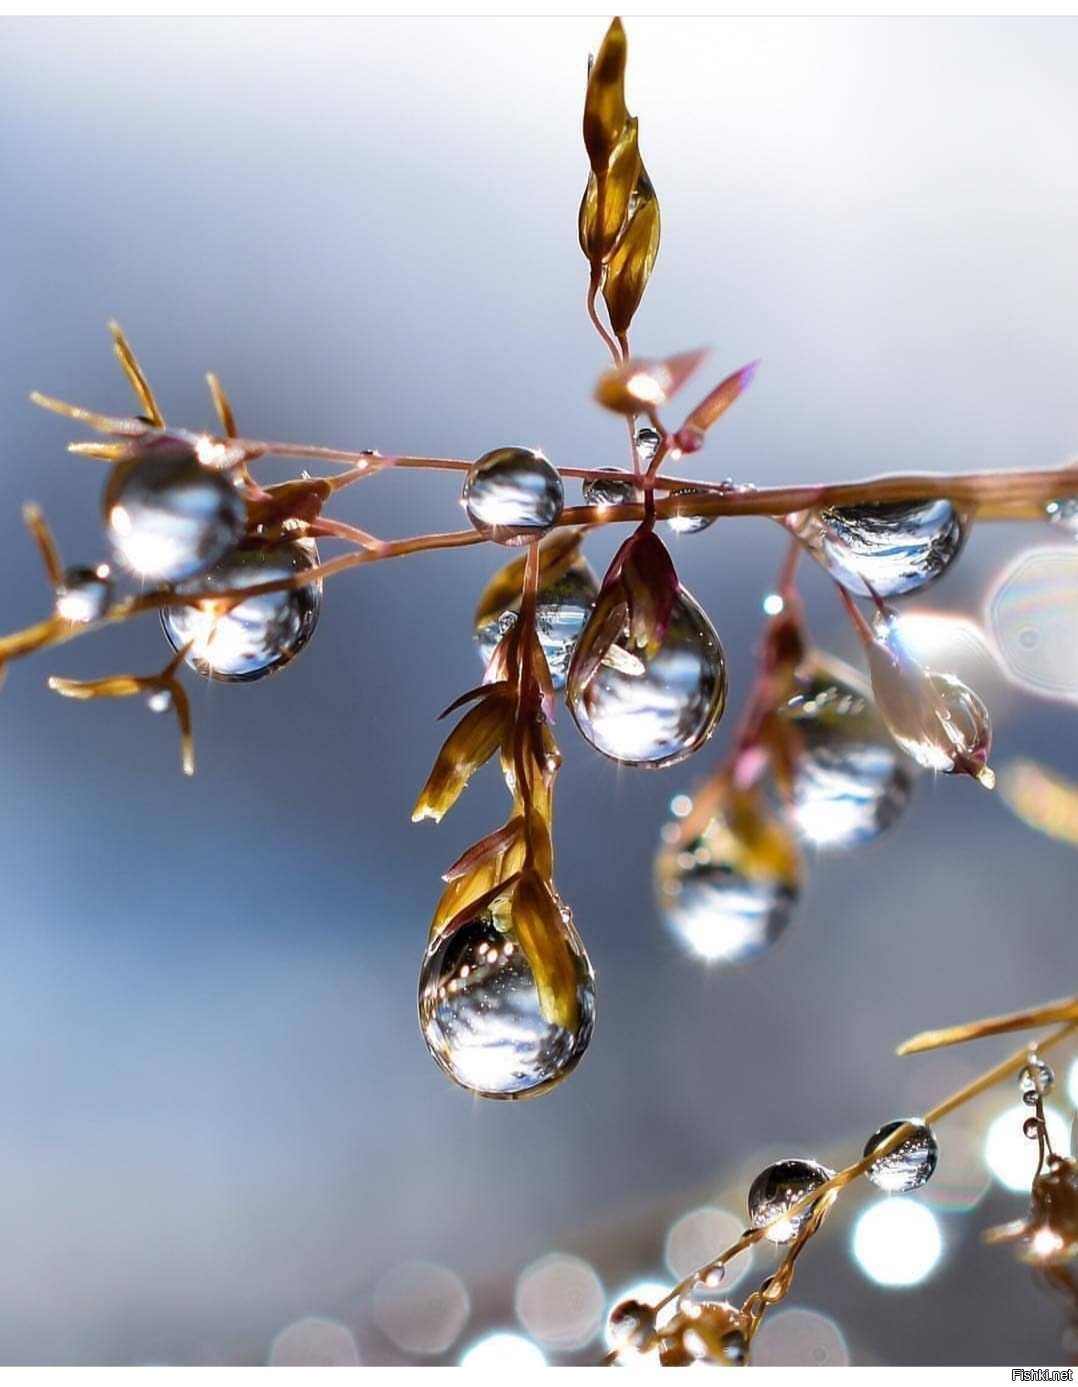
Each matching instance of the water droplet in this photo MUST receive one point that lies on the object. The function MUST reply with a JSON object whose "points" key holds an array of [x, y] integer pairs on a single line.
{"points": [[259, 635], [1031, 1128], [84, 595], [167, 516], [729, 897], [884, 548], [1035, 1080], [614, 488], [910, 1165], [1064, 513], [513, 495], [561, 613], [159, 701], [777, 1189], [630, 1324], [654, 710], [647, 443], [688, 524], [849, 781], [481, 1016]]}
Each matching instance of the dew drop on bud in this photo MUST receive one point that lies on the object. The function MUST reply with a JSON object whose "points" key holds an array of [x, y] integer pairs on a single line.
{"points": [[883, 548], [84, 594], [647, 444], [910, 1165], [562, 609], [167, 516], [1035, 1081], [727, 888], [513, 495], [688, 524], [849, 781], [655, 709], [777, 1189], [1064, 514], [613, 488], [481, 1015], [259, 635]]}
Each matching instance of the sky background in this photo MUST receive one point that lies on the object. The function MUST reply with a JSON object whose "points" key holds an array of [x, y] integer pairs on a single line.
{"points": [[219, 1116]]}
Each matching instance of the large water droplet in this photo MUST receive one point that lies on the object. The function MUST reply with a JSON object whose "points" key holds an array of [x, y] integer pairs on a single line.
{"points": [[884, 549], [688, 524], [850, 782], [167, 516], [84, 595], [480, 1012], [259, 635], [777, 1189], [654, 710], [561, 612], [727, 900], [910, 1165], [513, 495]]}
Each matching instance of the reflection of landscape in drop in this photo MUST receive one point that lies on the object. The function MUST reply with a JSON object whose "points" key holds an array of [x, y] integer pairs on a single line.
{"points": [[885, 549]]}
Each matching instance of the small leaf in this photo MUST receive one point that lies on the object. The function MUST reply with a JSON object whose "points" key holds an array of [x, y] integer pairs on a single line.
{"points": [[630, 266], [638, 385], [470, 745], [541, 930], [715, 405], [604, 102], [651, 585], [601, 226]]}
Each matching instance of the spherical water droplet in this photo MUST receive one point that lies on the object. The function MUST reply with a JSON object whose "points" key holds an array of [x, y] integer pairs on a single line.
{"points": [[262, 633], [850, 782], [1064, 513], [614, 488], [84, 595], [630, 1324], [647, 443], [688, 524], [159, 701], [1031, 1128], [777, 1189], [910, 1165], [712, 905], [654, 710], [513, 495], [481, 1016], [167, 516], [1035, 1080], [561, 613], [884, 548]]}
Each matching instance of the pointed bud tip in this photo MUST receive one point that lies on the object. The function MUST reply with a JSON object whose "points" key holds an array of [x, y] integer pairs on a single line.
{"points": [[987, 777]]}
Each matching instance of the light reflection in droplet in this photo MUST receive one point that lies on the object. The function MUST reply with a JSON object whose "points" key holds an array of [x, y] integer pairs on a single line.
{"points": [[800, 1338], [422, 1307], [698, 1237], [560, 1301], [314, 1343], [1034, 619], [897, 1241], [1011, 1156], [503, 1350], [648, 1293]]}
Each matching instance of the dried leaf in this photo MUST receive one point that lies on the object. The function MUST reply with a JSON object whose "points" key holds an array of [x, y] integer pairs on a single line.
{"points": [[651, 586], [604, 209], [136, 376], [605, 115], [715, 405], [470, 745], [541, 931], [630, 266], [637, 385]]}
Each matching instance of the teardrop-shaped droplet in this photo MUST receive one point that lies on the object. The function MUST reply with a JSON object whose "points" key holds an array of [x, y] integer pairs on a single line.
{"points": [[688, 524], [646, 444], [655, 709], [911, 1164], [168, 517], [481, 1015], [562, 609], [777, 1189], [613, 488], [849, 780], [259, 635], [1063, 513], [728, 895], [884, 549], [513, 495], [84, 595], [1035, 1081]]}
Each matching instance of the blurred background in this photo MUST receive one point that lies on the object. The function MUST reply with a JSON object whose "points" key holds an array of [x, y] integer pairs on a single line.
{"points": [[223, 1140]]}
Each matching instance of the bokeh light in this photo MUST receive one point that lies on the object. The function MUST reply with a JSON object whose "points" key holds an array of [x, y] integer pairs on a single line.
{"points": [[961, 1178], [422, 1307], [1010, 1154], [559, 1300], [800, 1338], [314, 1343], [897, 1241], [1034, 618], [503, 1350], [698, 1237]]}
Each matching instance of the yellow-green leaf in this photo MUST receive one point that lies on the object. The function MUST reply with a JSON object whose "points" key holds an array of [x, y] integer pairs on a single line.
{"points": [[604, 103]]}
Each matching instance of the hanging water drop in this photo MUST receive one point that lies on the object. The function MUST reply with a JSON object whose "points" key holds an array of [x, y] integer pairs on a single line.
{"points": [[258, 635], [84, 595], [168, 517], [482, 1016], [1064, 514], [883, 548], [613, 488], [849, 782], [646, 444], [513, 495], [688, 524], [1035, 1081], [910, 1165], [727, 881], [159, 701], [777, 1189], [563, 605], [654, 709]]}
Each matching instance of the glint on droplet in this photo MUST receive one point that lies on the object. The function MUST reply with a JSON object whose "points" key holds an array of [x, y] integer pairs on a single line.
{"points": [[513, 495]]}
